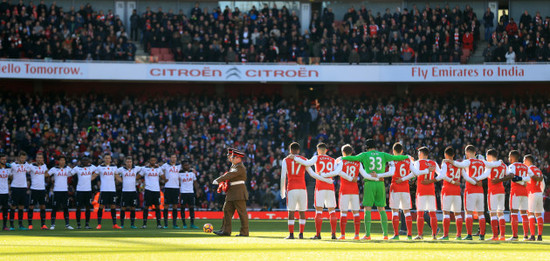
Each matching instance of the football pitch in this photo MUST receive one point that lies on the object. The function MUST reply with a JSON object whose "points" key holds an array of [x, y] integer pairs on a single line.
{"points": [[265, 243]]}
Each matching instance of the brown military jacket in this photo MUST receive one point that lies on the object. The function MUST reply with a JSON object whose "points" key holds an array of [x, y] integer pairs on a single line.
{"points": [[235, 192]]}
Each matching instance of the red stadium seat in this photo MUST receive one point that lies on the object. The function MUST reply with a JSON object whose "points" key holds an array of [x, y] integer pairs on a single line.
{"points": [[155, 51]]}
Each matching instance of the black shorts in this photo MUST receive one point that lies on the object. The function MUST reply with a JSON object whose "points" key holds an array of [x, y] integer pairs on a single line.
{"points": [[38, 197], [152, 198], [60, 199], [187, 199], [83, 198], [171, 196], [107, 198], [129, 199], [18, 196], [5, 200]]}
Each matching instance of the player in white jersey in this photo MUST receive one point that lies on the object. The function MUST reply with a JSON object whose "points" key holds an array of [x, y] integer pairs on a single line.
{"points": [[129, 201], [107, 189], [60, 175], [39, 173], [152, 174], [5, 177], [171, 171], [188, 185], [19, 188], [85, 174]]}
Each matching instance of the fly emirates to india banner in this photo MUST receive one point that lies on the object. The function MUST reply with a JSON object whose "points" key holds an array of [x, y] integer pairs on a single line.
{"points": [[273, 72]]}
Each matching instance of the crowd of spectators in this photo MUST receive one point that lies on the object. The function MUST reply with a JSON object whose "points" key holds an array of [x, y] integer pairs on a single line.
{"points": [[200, 128], [526, 41], [271, 34], [52, 32]]}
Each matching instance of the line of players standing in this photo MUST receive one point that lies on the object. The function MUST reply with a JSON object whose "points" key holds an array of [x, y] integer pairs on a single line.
{"points": [[526, 197], [179, 189]]}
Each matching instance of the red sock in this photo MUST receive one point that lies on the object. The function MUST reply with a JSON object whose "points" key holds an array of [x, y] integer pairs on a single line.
{"points": [[482, 226], [525, 222], [343, 221], [302, 225], [514, 223], [409, 222], [502, 224], [291, 226], [469, 224], [532, 225], [395, 223], [459, 222], [446, 225], [318, 223], [333, 222], [420, 222], [540, 223], [433, 222], [494, 227], [357, 223]]}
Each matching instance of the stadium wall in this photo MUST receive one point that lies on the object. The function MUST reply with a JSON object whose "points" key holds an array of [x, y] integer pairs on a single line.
{"points": [[517, 7], [263, 215]]}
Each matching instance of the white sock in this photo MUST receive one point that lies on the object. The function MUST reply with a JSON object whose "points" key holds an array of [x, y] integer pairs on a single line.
{"points": [[291, 222]]}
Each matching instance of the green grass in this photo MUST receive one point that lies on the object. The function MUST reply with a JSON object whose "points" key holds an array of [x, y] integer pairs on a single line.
{"points": [[265, 243]]}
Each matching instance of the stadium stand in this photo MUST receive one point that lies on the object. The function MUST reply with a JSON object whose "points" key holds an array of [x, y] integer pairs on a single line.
{"points": [[526, 40], [273, 35], [270, 34], [200, 127], [52, 32]]}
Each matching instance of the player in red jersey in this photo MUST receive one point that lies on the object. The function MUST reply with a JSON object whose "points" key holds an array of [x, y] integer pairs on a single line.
{"points": [[425, 193], [400, 195], [324, 191], [293, 187], [451, 196], [473, 194], [518, 194], [495, 199], [535, 204], [349, 191]]}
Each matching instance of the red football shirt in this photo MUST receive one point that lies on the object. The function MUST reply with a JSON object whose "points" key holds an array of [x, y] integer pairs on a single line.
{"points": [[352, 169], [402, 169], [520, 170], [296, 178], [498, 172], [476, 169], [534, 186], [450, 189], [324, 164], [421, 189]]}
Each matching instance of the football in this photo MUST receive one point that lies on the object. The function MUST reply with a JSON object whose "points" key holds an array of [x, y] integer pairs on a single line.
{"points": [[208, 228]]}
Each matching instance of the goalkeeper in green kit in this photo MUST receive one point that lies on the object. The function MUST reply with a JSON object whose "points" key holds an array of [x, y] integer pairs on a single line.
{"points": [[374, 192]]}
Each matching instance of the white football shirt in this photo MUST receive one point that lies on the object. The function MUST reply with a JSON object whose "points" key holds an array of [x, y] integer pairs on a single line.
{"points": [[152, 178], [37, 176], [60, 177], [186, 181], [4, 175], [128, 178], [107, 178], [84, 177], [19, 173], [171, 172]]}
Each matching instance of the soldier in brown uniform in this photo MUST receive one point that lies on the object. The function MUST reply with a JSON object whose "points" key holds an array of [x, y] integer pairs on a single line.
{"points": [[236, 195]]}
